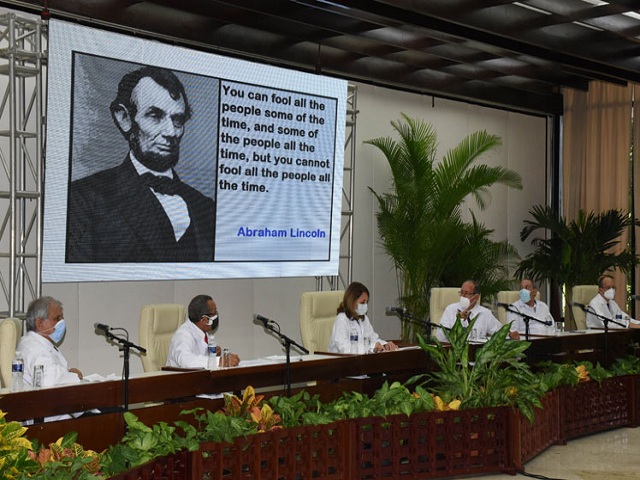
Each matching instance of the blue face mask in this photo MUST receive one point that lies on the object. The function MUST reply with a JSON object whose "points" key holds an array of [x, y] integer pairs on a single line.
{"points": [[525, 295], [58, 331]]}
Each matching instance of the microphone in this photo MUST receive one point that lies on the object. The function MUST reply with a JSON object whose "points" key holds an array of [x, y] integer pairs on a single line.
{"points": [[102, 327], [503, 305], [581, 306], [394, 311], [260, 318]]}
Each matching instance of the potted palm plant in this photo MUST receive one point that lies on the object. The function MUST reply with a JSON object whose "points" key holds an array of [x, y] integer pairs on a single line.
{"points": [[576, 252], [420, 220]]}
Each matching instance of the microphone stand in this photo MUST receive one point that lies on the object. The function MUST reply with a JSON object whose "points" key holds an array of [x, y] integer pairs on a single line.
{"points": [[605, 321], [286, 342], [125, 347], [421, 322], [526, 318]]}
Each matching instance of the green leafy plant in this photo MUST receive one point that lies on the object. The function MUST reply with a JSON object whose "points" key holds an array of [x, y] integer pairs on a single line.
{"points": [[426, 200], [140, 445], [496, 375], [629, 365], [14, 450], [575, 252]]}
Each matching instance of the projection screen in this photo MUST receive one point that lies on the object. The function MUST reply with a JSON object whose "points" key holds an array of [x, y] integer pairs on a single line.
{"points": [[168, 163]]}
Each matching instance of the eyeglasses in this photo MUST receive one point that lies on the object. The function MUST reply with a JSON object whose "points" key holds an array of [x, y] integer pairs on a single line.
{"points": [[466, 294]]}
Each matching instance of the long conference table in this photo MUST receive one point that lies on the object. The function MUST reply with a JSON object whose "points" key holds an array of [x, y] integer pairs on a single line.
{"points": [[161, 396]]}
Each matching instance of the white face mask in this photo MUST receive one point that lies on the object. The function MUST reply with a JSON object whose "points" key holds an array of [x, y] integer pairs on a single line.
{"points": [[464, 303], [361, 309], [610, 294]]}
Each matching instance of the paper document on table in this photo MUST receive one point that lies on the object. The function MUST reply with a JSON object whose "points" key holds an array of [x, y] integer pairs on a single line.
{"points": [[95, 377]]}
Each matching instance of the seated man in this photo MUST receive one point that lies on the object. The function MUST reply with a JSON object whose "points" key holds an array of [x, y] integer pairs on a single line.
{"points": [[188, 347], [533, 308], [46, 327], [468, 309], [604, 305]]}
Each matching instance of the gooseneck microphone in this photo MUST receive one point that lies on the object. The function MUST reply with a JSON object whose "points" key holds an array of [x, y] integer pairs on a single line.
{"points": [[260, 318], [503, 305], [102, 327], [394, 311], [581, 306]]}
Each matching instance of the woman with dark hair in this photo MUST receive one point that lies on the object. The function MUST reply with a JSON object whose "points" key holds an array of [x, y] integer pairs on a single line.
{"points": [[352, 330]]}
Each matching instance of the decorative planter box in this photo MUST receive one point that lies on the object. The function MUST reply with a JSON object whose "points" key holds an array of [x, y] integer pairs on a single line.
{"points": [[530, 439], [310, 452], [434, 444], [590, 407], [172, 467]]}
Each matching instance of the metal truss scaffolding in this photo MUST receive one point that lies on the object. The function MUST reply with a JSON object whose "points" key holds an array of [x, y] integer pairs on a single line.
{"points": [[343, 279], [22, 59]]}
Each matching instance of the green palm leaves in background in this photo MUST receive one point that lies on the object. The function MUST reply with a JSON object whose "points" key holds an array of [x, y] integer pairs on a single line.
{"points": [[420, 221], [576, 252]]}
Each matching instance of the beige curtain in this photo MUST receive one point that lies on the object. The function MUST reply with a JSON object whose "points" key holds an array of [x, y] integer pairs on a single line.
{"points": [[596, 146]]}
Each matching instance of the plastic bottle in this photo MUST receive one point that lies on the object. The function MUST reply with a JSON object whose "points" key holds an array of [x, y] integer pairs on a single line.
{"points": [[17, 373], [212, 358], [353, 338]]}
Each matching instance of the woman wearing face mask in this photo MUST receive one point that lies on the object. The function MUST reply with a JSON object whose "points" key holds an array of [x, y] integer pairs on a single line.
{"points": [[46, 328], [352, 323], [604, 305]]}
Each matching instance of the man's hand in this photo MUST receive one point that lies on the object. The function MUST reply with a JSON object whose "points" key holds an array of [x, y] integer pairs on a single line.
{"points": [[234, 360], [77, 372]]}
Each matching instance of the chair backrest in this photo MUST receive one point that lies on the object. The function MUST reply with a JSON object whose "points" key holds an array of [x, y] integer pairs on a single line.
{"points": [[441, 298], [10, 333], [582, 294], [158, 323], [508, 296], [317, 314]]}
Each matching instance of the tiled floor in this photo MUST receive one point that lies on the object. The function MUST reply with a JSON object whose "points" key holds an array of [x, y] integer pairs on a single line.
{"points": [[613, 455]]}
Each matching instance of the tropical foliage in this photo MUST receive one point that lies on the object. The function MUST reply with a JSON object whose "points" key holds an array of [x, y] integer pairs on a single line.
{"points": [[495, 375], [575, 252], [420, 220]]}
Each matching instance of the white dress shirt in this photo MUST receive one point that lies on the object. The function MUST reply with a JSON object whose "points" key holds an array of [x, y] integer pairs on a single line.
{"points": [[608, 309], [539, 310], [38, 350], [340, 335], [188, 348], [485, 326], [173, 205]]}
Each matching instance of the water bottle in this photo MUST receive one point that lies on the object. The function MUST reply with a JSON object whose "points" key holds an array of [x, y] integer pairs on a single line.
{"points": [[17, 373], [212, 358], [353, 339]]}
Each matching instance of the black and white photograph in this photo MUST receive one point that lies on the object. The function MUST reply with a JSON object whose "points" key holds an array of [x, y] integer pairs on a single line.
{"points": [[142, 164]]}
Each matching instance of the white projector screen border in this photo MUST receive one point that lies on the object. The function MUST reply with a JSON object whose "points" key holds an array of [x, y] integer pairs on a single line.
{"points": [[263, 144]]}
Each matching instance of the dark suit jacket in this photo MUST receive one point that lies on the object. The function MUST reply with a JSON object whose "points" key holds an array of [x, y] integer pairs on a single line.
{"points": [[112, 217]]}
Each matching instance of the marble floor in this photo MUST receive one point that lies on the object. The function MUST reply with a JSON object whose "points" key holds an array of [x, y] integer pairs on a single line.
{"points": [[613, 455]]}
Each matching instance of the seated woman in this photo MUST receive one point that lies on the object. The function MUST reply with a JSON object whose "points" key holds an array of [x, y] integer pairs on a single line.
{"points": [[352, 318]]}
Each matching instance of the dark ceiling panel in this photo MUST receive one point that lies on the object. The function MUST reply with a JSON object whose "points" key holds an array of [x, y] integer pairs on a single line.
{"points": [[515, 55]]}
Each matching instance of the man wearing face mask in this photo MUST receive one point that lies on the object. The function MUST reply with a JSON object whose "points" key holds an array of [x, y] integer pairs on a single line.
{"points": [[468, 309], [604, 305], [46, 328], [188, 347], [528, 305]]}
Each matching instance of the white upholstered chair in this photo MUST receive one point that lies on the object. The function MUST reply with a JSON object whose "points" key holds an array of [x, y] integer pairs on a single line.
{"points": [[10, 333], [582, 294], [441, 298], [158, 323], [508, 296], [318, 311]]}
